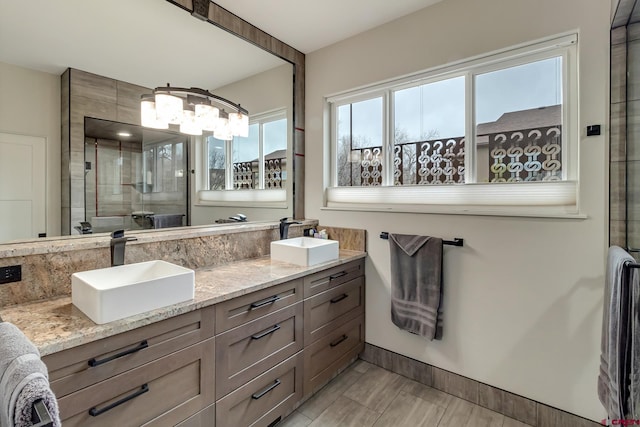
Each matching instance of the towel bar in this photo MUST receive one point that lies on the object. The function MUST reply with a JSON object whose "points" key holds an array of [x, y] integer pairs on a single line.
{"points": [[40, 416], [457, 241]]}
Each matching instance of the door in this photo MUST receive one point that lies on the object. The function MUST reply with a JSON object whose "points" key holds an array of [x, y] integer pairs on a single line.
{"points": [[22, 186]]}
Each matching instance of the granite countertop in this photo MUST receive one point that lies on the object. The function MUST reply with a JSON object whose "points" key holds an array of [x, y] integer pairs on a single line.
{"points": [[56, 324]]}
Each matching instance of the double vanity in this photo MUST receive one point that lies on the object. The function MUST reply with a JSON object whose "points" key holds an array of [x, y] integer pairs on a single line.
{"points": [[259, 337]]}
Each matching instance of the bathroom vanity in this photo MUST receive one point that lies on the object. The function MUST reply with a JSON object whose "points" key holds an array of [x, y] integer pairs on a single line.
{"points": [[259, 338]]}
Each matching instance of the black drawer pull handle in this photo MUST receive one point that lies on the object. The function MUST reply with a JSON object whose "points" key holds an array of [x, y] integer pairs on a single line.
{"points": [[94, 362], [258, 395], [265, 333], [337, 275], [338, 341], [265, 302], [338, 299], [94, 412]]}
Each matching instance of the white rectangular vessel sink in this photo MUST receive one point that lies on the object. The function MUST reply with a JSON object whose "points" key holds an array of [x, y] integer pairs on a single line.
{"points": [[113, 293], [304, 250]]}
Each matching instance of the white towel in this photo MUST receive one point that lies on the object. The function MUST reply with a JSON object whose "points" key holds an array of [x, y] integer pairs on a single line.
{"points": [[23, 379]]}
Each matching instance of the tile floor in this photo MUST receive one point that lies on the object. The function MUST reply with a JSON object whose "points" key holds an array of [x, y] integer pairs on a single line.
{"points": [[366, 395]]}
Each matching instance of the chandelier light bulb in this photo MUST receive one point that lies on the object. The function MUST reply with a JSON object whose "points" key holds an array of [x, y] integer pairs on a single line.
{"points": [[207, 116], [194, 110], [239, 124], [190, 124], [169, 108], [148, 116]]}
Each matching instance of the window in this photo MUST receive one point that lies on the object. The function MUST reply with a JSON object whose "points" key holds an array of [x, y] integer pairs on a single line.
{"points": [[258, 161], [250, 165], [163, 167], [505, 118]]}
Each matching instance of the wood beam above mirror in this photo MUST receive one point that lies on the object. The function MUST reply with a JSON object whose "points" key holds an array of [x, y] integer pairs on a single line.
{"points": [[226, 20]]}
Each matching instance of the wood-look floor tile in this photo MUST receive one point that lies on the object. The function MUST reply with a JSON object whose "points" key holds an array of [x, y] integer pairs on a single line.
{"points": [[361, 366], [409, 410], [320, 401], [427, 393], [510, 422], [457, 413], [345, 412], [483, 417], [296, 419], [376, 388]]}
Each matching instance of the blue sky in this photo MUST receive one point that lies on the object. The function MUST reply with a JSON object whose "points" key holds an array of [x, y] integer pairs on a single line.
{"points": [[438, 108]]}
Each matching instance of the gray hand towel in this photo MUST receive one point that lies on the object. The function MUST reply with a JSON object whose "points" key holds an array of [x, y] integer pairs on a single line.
{"points": [[23, 379], [416, 284], [167, 220], [614, 325]]}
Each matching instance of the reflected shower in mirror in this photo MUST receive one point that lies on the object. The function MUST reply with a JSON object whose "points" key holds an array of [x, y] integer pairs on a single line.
{"points": [[135, 177]]}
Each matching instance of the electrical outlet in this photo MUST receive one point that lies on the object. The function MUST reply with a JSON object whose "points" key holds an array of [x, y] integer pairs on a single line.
{"points": [[9, 274]]}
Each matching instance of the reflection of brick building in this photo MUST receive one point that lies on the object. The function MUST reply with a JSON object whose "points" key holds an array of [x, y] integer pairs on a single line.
{"points": [[246, 174], [521, 145]]}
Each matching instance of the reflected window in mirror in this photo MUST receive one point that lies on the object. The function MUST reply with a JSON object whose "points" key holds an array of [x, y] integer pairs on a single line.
{"points": [[255, 162], [164, 165]]}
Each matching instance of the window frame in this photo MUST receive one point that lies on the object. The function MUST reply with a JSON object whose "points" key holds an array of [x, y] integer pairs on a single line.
{"points": [[230, 196], [563, 198]]}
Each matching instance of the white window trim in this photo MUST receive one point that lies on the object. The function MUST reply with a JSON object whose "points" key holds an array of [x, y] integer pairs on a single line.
{"points": [[263, 198], [537, 199]]}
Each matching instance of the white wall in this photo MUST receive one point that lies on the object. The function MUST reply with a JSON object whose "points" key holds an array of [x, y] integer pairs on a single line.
{"points": [[30, 105], [264, 92], [522, 304]]}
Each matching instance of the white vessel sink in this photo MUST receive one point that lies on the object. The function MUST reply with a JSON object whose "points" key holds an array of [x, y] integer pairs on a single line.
{"points": [[109, 294], [304, 250]]}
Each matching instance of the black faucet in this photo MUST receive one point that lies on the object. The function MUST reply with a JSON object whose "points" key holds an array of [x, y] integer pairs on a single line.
{"points": [[284, 227], [118, 242]]}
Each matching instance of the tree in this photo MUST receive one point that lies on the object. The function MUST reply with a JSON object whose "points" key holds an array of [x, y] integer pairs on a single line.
{"points": [[216, 170]]}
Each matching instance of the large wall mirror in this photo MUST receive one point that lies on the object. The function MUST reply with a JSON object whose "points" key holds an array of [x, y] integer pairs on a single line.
{"points": [[110, 179]]}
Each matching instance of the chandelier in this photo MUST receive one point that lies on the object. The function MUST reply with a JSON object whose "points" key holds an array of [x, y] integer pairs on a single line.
{"points": [[194, 110]]}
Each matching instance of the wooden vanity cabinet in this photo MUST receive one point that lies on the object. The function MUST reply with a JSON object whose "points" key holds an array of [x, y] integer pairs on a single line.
{"points": [[258, 356], [333, 322], [163, 392], [160, 374], [76, 368], [247, 361]]}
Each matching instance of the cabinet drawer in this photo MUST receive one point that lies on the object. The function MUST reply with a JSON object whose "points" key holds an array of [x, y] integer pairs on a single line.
{"points": [[327, 355], [163, 392], [76, 368], [330, 305], [204, 418], [327, 279], [247, 351], [246, 308], [264, 400]]}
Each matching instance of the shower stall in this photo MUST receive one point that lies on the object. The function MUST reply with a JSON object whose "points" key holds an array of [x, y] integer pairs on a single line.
{"points": [[135, 178]]}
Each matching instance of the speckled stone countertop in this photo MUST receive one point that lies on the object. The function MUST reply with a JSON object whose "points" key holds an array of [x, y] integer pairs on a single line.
{"points": [[56, 324]]}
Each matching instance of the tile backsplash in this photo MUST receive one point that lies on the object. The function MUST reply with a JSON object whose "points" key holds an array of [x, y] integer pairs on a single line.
{"points": [[47, 266]]}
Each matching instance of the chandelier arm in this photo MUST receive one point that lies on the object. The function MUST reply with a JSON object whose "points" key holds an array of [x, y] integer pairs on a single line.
{"points": [[201, 93]]}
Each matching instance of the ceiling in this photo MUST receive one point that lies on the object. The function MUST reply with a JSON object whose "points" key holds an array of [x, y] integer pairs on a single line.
{"points": [[311, 25], [153, 42], [144, 42]]}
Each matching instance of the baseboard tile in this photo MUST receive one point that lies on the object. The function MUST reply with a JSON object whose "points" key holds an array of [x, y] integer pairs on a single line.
{"points": [[511, 405]]}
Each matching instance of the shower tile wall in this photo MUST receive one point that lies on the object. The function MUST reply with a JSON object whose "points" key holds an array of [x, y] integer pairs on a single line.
{"points": [[633, 136], [88, 95], [617, 153]]}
